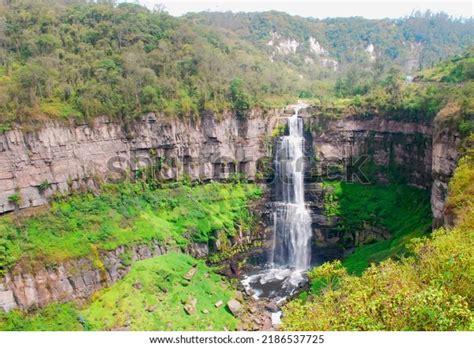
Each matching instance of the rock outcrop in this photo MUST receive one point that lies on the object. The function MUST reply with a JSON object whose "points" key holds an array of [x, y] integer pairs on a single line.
{"points": [[370, 148], [75, 279], [445, 154], [58, 158]]}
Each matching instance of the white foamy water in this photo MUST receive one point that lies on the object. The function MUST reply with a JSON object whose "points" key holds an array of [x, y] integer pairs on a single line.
{"points": [[292, 225], [291, 252]]}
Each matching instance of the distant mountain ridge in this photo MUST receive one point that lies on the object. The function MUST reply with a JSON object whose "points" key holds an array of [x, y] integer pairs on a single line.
{"points": [[412, 42]]}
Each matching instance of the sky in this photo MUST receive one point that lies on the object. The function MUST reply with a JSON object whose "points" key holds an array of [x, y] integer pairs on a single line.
{"points": [[319, 8]]}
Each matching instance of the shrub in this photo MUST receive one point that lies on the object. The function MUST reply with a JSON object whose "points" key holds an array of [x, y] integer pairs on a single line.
{"points": [[15, 199]]}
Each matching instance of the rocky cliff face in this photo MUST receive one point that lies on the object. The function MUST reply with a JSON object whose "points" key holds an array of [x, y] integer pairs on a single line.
{"points": [[445, 154], [62, 159], [73, 280], [371, 148], [59, 159]]}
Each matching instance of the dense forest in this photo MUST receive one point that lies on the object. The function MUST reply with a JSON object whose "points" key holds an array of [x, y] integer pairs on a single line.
{"points": [[80, 59]]}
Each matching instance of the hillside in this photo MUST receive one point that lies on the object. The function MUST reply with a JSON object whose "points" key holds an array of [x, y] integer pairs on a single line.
{"points": [[81, 60], [336, 43]]}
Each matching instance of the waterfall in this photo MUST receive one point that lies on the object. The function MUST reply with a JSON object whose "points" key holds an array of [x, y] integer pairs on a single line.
{"points": [[292, 227], [290, 255]]}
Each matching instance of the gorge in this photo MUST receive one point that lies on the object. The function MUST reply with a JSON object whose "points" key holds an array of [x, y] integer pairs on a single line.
{"points": [[71, 158], [234, 171]]}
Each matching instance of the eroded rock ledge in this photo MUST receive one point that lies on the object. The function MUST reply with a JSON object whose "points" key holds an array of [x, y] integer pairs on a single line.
{"points": [[58, 158], [422, 155], [68, 158], [75, 279]]}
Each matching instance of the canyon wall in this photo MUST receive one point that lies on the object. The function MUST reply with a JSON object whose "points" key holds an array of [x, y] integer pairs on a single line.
{"points": [[75, 279], [372, 148], [70, 158], [445, 155], [81, 157], [58, 158]]}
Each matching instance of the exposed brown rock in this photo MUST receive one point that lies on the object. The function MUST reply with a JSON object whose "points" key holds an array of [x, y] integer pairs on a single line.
{"points": [[190, 306], [68, 157], [235, 307], [190, 274]]}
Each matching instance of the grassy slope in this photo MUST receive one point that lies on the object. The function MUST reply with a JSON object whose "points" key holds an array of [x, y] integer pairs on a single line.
{"points": [[402, 210], [122, 215], [164, 291], [150, 297]]}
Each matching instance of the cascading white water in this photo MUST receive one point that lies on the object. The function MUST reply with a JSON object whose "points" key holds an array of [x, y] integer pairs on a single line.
{"points": [[292, 228], [290, 255]]}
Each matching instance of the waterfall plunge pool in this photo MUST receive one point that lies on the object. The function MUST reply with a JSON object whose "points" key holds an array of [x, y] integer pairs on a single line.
{"points": [[275, 284]]}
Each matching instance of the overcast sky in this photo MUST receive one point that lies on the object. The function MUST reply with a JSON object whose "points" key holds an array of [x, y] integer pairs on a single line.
{"points": [[318, 9]]}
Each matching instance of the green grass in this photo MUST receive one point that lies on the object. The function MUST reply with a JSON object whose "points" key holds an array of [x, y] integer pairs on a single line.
{"points": [[158, 305], [402, 210], [150, 297], [126, 214], [55, 317]]}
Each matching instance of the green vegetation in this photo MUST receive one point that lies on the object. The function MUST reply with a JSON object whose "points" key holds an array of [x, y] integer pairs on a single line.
{"points": [[455, 70], [393, 97], [151, 297], [15, 199], [76, 60], [157, 303], [394, 40], [126, 214], [55, 317], [67, 60], [239, 96], [84, 59], [401, 210], [460, 201], [431, 288]]}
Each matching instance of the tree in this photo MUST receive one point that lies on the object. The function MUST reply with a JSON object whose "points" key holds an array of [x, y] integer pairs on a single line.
{"points": [[393, 85], [239, 96]]}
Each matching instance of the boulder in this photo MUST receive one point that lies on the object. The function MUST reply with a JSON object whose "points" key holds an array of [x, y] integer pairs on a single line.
{"points": [[239, 296], [235, 307], [190, 274], [271, 307], [190, 306]]}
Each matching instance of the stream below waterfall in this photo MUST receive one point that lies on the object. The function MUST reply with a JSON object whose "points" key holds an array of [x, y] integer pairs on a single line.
{"points": [[284, 270]]}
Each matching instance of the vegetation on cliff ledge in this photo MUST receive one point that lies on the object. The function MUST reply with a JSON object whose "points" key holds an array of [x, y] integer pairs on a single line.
{"points": [[85, 224], [403, 211], [152, 296]]}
